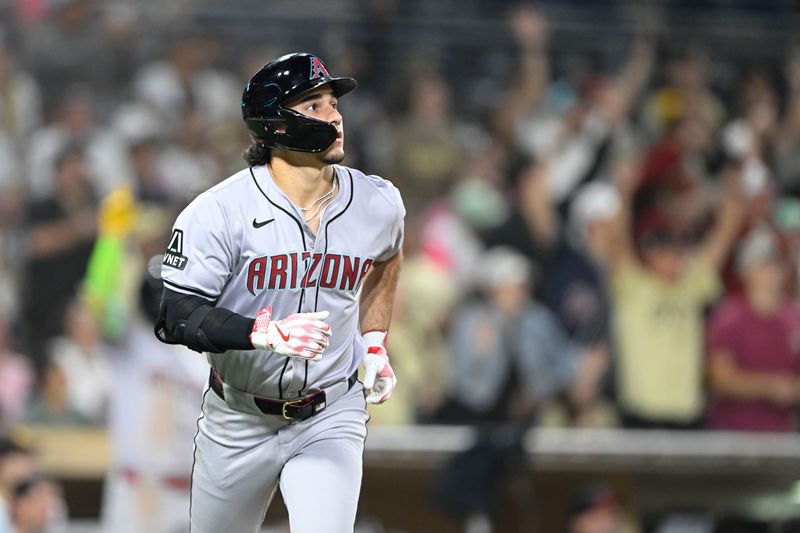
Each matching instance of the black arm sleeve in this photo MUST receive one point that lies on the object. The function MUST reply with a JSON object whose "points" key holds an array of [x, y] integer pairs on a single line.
{"points": [[195, 322]]}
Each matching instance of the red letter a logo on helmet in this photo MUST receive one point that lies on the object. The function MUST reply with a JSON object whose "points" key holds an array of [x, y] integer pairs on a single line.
{"points": [[317, 69]]}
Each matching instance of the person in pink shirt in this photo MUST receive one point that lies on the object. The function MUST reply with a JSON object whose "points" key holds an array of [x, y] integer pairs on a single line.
{"points": [[754, 345], [17, 376]]}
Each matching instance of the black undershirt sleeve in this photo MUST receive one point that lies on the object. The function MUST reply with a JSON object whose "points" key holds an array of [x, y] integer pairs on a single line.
{"points": [[195, 322]]}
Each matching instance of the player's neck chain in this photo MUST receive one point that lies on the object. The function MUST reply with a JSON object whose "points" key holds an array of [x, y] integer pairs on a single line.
{"points": [[320, 202], [322, 198]]}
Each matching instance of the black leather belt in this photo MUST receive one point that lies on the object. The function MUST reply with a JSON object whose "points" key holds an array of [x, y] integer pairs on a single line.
{"points": [[298, 409]]}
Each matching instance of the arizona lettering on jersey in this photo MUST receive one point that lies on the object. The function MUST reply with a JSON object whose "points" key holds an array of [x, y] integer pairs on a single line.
{"points": [[284, 271]]}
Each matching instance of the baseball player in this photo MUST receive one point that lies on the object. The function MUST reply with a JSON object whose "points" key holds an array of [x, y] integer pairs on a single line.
{"points": [[284, 274]]}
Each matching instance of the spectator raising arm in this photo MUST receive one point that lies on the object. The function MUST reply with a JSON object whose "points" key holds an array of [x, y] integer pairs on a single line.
{"points": [[730, 214], [536, 207], [625, 89], [531, 33], [621, 247]]}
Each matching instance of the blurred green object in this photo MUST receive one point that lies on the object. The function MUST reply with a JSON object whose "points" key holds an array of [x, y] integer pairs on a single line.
{"points": [[102, 285], [786, 214]]}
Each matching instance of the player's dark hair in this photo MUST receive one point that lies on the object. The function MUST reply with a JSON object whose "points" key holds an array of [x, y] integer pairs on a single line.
{"points": [[257, 154]]}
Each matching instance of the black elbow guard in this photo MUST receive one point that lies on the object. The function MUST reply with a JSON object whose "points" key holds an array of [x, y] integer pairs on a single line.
{"points": [[180, 321], [190, 333], [196, 323]]}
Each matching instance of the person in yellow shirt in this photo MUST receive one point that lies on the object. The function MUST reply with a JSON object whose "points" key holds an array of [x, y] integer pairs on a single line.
{"points": [[658, 299]]}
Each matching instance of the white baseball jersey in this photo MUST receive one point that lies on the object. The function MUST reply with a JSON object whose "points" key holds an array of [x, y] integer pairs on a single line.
{"points": [[156, 390], [243, 245], [153, 421]]}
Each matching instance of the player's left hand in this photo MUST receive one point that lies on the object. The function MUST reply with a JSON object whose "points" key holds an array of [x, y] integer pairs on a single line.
{"points": [[379, 378]]}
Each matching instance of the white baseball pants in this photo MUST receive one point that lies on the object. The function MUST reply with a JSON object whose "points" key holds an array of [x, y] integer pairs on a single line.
{"points": [[240, 458]]}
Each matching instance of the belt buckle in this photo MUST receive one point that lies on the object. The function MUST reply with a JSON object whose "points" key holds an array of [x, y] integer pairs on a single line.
{"points": [[288, 404]]}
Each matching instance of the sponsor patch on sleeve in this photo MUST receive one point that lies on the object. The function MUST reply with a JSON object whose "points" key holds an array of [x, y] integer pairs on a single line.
{"points": [[174, 257]]}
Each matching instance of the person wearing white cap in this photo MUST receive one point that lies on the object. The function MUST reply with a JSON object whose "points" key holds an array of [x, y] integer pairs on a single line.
{"points": [[573, 285], [509, 354], [591, 212], [754, 344]]}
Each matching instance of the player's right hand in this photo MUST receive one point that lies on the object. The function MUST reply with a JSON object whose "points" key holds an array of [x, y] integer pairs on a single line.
{"points": [[301, 335]]}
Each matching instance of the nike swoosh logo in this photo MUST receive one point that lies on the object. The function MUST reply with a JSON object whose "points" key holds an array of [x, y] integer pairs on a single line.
{"points": [[284, 337], [261, 224]]}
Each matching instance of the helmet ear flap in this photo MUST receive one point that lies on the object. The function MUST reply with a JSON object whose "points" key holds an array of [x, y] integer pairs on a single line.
{"points": [[264, 129], [275, 126]]}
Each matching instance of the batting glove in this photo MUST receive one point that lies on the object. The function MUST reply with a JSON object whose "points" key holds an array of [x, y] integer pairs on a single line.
{"points": [[301, 335], [379, 378]]}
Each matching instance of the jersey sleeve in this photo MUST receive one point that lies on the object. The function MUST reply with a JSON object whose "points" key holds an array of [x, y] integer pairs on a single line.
{"points": [[396, 231], [199, 256]]}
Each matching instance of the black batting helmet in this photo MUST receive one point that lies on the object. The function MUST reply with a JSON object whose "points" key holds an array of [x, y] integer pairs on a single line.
{"points": [[276, 83]]}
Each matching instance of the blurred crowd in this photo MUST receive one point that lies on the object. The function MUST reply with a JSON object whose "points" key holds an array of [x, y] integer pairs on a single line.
{"points": [[585, 246], [609, 247], [588, 243]]}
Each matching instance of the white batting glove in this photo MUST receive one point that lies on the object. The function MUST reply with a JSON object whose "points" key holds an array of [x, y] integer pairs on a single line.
{"points": [[379, 378], [301, 335]]}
